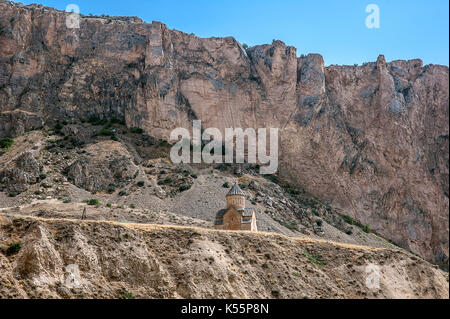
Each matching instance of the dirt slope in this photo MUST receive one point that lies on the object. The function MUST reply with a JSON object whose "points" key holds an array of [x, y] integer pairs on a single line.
{"points": [[114, 260]]}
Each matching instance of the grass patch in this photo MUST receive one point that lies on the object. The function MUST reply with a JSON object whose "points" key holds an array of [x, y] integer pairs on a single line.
{"points": [[127, 295], [315, 259]]}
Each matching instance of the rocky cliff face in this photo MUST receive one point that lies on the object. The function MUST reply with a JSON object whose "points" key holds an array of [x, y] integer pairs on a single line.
{"points": [[371, 140]]}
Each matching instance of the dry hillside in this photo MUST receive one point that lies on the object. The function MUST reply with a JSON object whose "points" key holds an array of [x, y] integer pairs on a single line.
{"points": [[116, 260]]}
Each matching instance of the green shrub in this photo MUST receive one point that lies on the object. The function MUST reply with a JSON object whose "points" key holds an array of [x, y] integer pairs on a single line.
{"points": [[349, 220], [140, 183], [132, 206], [14, 248], [95, 120], [273, 179], [111, 189], [226, 185], [5, 144], [136, 130], [165, 181], [105, 132], [122, 193], [115, 120], [127, 295], [366, 228], [58, 126], [108, 205], [184, 187], [93, 202], [319, 222], [194, 176], [163, 143]]}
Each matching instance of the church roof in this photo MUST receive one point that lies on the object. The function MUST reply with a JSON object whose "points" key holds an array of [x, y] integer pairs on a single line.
{"points": [[235, 190], [220, 213], [248, 212]]}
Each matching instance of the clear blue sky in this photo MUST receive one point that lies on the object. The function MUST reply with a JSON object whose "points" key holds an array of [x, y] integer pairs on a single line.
{"points": [[336, 29]]}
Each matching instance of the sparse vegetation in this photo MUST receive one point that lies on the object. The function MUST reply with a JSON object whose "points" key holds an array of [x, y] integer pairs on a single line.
{"points": [[315, 259], [366, 229], [292, 226], [105, 132], [136, 130], [14, 248], [126, 294], [111, 189], [93, 202], [5, 144], [184, 187], [351, 221], [165, 181]]}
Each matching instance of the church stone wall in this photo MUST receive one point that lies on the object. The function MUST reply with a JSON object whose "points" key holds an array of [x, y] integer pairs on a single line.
{"points": [[232, 220]]}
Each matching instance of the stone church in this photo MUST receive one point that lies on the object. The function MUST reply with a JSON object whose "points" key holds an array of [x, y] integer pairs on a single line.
{"points": [[236, 216]]}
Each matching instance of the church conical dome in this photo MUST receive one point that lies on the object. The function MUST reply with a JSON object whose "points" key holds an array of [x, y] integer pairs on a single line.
{"points": [[235, 190]]}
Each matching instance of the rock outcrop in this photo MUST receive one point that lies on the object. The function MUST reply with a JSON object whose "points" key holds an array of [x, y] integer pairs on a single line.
{"points": [[99, 170], [20, 172], [371, 140]]}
